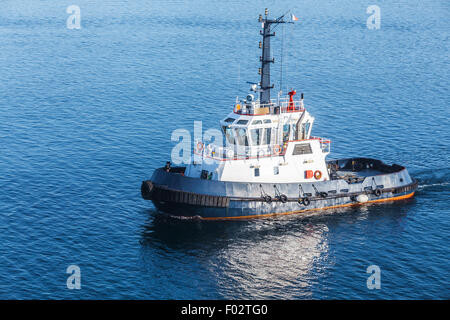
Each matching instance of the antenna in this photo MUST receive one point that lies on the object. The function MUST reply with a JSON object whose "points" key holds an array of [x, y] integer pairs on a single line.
{"points": [[265, 58], [281, 61]]}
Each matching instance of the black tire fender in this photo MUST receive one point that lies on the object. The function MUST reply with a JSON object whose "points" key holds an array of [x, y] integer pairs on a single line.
{"points": [[306, 201], [324, 194], [147, 189]]}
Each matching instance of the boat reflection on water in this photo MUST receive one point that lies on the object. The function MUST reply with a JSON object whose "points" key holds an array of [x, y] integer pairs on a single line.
{"points": [[278, 258], [277, 265], [250, 259]]}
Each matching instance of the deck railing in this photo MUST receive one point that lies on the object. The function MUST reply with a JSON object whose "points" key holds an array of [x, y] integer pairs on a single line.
{"points": [[238, 152], [325, 144], [283, 105], [234, 152]]}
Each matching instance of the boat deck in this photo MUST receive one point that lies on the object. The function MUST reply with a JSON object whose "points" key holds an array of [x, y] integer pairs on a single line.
{"points": [[355, 176], [362, 173], [355, 170]]}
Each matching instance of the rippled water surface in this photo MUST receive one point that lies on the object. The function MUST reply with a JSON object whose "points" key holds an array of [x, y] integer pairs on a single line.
{"points": [[86, 115]]}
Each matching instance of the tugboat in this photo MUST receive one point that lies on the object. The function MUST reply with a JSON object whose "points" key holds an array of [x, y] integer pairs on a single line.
{"points": [[271, 164]]}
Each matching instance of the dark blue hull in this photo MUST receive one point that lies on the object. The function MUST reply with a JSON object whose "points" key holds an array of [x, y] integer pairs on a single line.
{"points": [[178, 195]]}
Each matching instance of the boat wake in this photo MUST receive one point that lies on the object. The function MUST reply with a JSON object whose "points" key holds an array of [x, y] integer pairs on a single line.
{"points": [[194, 218], [432, 179], [421, 187]]}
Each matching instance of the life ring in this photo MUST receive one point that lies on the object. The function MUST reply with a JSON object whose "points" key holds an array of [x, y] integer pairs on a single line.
{"points": [[199, 147], [306, 201], [276, 149], [377, 192], [317, 175]]}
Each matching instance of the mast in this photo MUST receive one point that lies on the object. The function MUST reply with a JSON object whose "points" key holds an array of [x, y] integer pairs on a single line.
{"points": [[265, 59]]}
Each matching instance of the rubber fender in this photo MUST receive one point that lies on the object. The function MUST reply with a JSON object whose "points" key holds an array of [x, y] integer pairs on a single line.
{"points": [[306, 201], [362, 198], [147, 189]]}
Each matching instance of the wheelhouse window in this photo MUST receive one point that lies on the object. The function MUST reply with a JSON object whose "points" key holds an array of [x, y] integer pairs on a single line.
{"points": [[305, 130], [267, 136], [242, 122], [228, 134], [229, 120], [308, 126], [294, 131], [241, 136], [256, 135], [286, 132]]}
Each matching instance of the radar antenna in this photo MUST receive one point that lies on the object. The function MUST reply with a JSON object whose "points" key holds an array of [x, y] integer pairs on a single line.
{"points": [[265, 59]]}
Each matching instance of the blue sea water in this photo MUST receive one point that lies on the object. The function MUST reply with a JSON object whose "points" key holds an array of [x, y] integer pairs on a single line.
{"points": [[86, 115]]}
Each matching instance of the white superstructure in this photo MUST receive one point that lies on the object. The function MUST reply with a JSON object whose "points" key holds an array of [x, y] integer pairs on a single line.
{"points": [[267, 143]]}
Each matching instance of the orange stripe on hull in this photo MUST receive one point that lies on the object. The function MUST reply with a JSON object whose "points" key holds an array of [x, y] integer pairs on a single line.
{"points": [[406, 196]]}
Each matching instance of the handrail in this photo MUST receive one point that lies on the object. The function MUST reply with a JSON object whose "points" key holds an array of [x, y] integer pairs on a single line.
{"points": [[283, 104], [233, 152], [238, 152]]}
